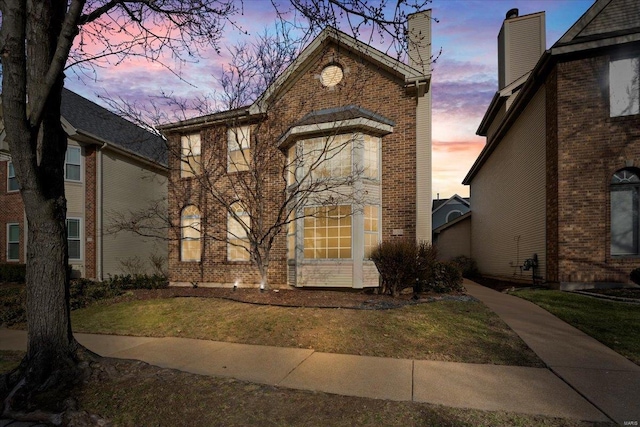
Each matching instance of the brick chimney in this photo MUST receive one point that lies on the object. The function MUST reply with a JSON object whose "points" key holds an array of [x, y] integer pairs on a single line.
{"points": [[521, 42]]}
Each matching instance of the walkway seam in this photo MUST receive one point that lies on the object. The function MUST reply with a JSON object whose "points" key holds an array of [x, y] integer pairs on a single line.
{"points": [[296, 367], [413, 379], [580, 393]]}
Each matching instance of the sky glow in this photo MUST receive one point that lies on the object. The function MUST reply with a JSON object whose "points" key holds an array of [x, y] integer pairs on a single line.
{"points": [[465, 76]]}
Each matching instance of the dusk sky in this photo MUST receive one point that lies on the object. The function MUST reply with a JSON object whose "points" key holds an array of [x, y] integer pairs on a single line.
{"points": [[464, 78]]}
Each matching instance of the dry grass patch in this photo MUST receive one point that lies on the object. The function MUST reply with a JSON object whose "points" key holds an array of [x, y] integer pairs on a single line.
{"points": [[445, 330]]}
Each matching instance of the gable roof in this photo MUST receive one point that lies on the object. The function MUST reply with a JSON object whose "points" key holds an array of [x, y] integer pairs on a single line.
{"points": [[437, 204], [90, 120], [590, 32], [452, 222], [411, 76]]}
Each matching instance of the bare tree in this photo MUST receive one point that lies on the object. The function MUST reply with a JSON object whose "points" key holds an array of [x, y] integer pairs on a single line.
{"points": [[39, 40]]}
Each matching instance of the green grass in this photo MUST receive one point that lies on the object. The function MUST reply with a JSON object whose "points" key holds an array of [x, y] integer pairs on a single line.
{"points": [[445, 330], [9, 359], [614, 324]]}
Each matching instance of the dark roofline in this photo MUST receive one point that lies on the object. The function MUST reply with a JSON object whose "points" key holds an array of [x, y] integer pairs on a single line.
{"points": [[241, 113], [452, 222]]}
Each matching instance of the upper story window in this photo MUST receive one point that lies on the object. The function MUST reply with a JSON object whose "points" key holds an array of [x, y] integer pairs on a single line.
{"points": [[13, 242], [190, 247], [625, 212], [12, 181], [371, 156], [72, 163], [190, 162], [331, 75], [624, 87], [328, 157], [237, 237], [239, 149]]}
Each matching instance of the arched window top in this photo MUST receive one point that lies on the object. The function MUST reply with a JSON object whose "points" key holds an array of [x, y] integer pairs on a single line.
{"points": [[626, 176], [190, 211]]}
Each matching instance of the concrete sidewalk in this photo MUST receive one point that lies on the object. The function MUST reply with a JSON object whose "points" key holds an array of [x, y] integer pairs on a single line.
{"points": [[606, 379], [465, 385]]}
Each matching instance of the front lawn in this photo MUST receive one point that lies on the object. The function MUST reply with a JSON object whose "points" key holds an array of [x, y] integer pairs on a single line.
{"points": [[615, 324], [445, 330]]}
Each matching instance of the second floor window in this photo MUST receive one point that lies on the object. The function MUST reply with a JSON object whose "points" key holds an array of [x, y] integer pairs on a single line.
{"points": [[72, 164], [190, 161], [624, 87], [239, 149], [12, 181]]}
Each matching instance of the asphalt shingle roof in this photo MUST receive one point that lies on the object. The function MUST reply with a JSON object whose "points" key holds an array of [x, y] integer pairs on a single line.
{"points": [[90, 118]]}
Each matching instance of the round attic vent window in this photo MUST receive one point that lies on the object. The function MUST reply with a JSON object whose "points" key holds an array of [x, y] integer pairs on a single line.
{"points": [[331, 75]]}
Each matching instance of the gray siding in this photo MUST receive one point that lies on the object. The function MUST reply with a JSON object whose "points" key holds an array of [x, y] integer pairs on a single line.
{"points": [[508, 197], [127, 187], [455, 240]]}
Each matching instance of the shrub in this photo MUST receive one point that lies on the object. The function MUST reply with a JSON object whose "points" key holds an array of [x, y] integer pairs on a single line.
{"points": [[12, 308], [635, 276], [467, 266], [13, 272], [403, 264], [139, 281], [446, 278]]}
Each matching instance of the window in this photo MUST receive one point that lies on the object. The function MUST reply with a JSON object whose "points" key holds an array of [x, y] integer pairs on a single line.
{"points": [[190, 248], [370, 156], [190, 164], [291, 236], [331, 75], [72, 164], [12, 181], [73, 238], [327, 232], [13, 242], [624, 87], [624, 212], [238, 146], [237, 227], [371, 227], [329, 157], [453, 215]]}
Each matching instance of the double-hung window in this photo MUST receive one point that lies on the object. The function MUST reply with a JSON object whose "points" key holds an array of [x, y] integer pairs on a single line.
{"points": [[190, 246], [12, 181], [239, 149], [191, 163], [74, 238], [13, 242], [238, 225], [624, 87], [625, 211], [72, 163]]}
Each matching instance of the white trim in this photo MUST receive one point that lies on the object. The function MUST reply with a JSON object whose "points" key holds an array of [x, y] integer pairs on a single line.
{"points": [[10, 163], [10, 224], [80, 236], [81, 164], [367, 126]]}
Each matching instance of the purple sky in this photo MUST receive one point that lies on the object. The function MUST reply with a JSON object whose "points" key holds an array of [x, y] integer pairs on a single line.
{"points": [[464, 77]]}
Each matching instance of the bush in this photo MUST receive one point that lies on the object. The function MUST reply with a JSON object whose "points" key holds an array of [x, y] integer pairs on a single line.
{"points": [[404, 264], [139, 281], [12, 308], [467, 266], [13, 273], [635, 276], [446, 278]]}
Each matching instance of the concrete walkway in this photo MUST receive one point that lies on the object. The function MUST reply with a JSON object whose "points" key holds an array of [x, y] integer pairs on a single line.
{"points": [[606, 379], [585, 381]]}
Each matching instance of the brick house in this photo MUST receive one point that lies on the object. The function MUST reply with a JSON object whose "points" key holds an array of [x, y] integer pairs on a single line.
{"points": [[559, 176], [339, 92], [112, 166]]}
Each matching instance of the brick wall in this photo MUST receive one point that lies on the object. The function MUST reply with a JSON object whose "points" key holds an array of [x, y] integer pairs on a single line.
{"points": [[591, 147], [365, 85], [551, 109], [90, 269], [11, 211]]}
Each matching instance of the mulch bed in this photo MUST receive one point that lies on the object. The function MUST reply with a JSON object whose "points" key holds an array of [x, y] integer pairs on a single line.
{"points": [[299, 298]]}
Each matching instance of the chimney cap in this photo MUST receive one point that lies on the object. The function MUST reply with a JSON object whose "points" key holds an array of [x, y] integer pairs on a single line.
{"points": [[512, 13]]}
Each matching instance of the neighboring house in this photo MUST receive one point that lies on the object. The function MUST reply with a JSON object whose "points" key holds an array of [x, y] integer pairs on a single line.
{"points": [[559, 176], [445, 210], [112, 167], [337, 89]]}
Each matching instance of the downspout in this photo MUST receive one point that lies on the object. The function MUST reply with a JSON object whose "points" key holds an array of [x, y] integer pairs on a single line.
{"points": [[99, 211]]}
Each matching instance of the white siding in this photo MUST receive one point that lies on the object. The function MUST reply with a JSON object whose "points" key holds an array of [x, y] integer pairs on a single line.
{"points": [[508, 197], [128, 187], [521, 42], [326, 274], [75, 194]]}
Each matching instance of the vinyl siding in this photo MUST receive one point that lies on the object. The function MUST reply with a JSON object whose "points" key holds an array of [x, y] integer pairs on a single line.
{"points": [[75, 194], [508, 197], [455, 240], [128, 187], [521, 42], [326, 274]]}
